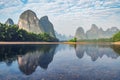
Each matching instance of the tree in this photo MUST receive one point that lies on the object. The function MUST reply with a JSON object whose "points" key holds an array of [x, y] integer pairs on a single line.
{"points": [[116, 37], [73, 40], [13, 33]]}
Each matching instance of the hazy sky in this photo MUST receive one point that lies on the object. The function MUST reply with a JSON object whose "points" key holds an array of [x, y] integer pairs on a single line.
{"points": [[66, 15]]}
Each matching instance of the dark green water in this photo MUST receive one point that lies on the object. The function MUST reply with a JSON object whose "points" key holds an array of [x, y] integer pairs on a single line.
{"points": [[59, 62]]}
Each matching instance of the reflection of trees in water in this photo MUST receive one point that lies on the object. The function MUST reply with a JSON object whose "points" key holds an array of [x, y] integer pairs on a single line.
{"points": [[116, 48], [10, 52], [29, 56], [97, 51]]}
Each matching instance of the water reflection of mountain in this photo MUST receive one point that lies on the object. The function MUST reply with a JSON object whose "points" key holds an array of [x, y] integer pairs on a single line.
{"points": [[42, 57], [28, 56], [96, 51], [8, 53]]}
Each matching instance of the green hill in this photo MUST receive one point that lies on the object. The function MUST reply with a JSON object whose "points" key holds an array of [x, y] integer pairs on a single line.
{"points": [[13, 33], [116, 37]]}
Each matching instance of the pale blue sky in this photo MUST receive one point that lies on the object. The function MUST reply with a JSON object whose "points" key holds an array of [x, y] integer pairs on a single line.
{"points": [[66, 15]]}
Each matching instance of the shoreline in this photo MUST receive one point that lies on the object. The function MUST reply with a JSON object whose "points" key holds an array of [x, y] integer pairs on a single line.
{"points": [[28, 43], [5, 43], [113, 43], [116, 43]]}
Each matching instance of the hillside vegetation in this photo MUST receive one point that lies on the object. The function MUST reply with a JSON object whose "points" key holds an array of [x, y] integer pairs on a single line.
{"points": [[116, 37], [13, 33]]}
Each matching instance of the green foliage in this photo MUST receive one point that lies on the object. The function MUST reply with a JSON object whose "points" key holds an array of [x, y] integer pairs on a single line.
{"points": [[97, 40], [104, 40], [116, 37], [13, 33], [73, 40]]}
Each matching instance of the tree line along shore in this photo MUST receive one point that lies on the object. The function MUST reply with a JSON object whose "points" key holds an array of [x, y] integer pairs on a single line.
{"points": [[12, 33]]}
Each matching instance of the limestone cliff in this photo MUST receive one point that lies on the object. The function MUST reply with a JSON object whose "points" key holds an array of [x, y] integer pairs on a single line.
{"points": [[9, 22], [29, 21], [80, 34], [46, 26], [95, 33]]}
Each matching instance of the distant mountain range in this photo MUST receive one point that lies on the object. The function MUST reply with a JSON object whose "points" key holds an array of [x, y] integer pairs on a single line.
{"points": [[63, 37], [29, 21], [95, 33]]}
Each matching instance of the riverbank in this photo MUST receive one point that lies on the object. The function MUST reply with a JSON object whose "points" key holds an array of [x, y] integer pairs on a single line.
{"points": [[84, 42], [43, 43], [29, 43], [58, 43], [116, 43]]}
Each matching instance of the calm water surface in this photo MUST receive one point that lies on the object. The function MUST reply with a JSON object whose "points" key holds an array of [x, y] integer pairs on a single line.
{"points": [[59, 62]]}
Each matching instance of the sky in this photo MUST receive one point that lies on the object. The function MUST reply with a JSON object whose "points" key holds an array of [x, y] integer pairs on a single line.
{"points": [[66, 15]]}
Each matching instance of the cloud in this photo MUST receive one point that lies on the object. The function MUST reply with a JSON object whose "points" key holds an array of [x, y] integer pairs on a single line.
{"points": [[9, 3], [66, 13]]}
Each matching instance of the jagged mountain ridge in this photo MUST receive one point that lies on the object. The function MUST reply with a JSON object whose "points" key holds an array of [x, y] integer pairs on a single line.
{"points": [[9, 22], [95, 33], [29, 21], [47, 25], [63, 37], [82, 35]]}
